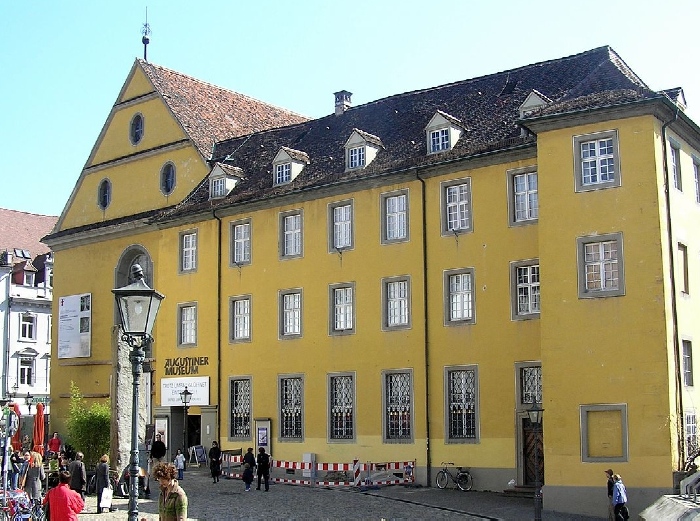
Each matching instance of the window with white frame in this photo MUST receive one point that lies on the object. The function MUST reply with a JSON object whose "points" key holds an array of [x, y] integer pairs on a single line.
{"points": [[291, 408], [291, 239], [525, 277], [342, 407], [240, 408], [395, 217], [26, 371], [342, 306], [397, 303], [283, 173], [188, 324], [340, 229], [690, 428], [29, 278], [290, 313], [525, 197], [696, 172], [601, 265], [675, 158], [439, 139], [27, 326], [240, 243], [398, 407], [356, 157], [456, 207], [188, 251], [596, 161], [462, 406], [240, 319], [218, 187], [459, 296], [687, 363]]}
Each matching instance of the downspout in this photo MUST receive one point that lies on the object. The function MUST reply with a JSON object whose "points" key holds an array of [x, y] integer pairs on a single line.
{"points": [[218, 328], [426, 353], [674, 309]]}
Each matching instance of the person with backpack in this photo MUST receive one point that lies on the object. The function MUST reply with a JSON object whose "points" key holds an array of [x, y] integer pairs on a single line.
{"points": [[263, 469]]}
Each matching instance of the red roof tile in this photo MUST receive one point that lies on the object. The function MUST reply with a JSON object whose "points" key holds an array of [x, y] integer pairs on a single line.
{"points": [[24, 231]]}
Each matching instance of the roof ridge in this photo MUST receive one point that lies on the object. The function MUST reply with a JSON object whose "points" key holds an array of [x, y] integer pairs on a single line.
{"points": [[28, 213]]}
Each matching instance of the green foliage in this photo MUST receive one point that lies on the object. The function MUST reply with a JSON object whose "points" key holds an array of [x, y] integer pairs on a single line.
{"points": [[88, 427]]}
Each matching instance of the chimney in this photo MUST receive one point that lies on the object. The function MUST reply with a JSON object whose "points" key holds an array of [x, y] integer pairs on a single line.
{"points": [[342, 101]]}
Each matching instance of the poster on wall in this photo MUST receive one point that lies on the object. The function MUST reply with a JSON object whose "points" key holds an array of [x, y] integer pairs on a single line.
{"points": [[162, 429], [74, 325]]}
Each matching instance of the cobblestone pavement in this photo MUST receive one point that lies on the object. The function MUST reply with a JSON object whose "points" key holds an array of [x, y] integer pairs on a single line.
{"points": [[228, 500]]}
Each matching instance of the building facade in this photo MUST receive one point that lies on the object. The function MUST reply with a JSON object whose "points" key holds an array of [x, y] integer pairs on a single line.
{"points": [[403, 280]]}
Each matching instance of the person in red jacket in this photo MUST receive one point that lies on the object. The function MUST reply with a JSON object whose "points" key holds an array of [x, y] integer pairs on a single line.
{"points": [[55, 443], [64, 504]]}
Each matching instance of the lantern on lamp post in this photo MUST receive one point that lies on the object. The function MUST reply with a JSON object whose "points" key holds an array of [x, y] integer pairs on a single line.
{"points": [[535, 414], [138, 307], [185, 396]]}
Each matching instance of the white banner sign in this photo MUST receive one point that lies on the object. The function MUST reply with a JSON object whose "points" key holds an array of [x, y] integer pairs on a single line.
{"points": [[74, 326], [170, 389]]}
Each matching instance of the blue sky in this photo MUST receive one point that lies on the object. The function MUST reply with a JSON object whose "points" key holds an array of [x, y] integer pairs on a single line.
{"points": [[62, 63]]}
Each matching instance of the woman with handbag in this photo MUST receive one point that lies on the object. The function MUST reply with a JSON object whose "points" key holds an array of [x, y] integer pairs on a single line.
{"points": [[102, 483], [35, 476]]}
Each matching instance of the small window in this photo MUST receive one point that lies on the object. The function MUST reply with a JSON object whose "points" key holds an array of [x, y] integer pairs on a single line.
{"points": [[356, 157], [525, 280], [683, 268], [690, 429], [188, 251], [439, 140], [26, 371], [291, 396], [104, 194], [456, 207], [675, 158], [600, 266], [459, 297], [218, 187], [29, 278], [283, 173], [167, 178], [290, 313], [523, 197], [340, 229], [398, 406], [240, 318], [687, 363], [241, 408], [291, 234], [240, 242], [136, 129], [27, 327], [597, 161], [341, 400], [342, 309], [394, 208], [696, 172], [187, 319], [396, 307], [461, 396]]}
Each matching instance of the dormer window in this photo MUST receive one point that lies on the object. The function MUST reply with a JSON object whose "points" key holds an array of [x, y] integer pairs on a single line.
{"points": [[29, 278], [534, 101], [443, 132], [288, 164], [222, 179], [360, 149]]}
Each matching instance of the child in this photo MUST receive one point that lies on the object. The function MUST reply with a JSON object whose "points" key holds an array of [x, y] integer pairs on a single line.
{"points": [[180, 465], [247, 476]]}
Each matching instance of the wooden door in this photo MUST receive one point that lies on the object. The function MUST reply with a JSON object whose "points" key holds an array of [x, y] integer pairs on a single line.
{"points": [[533, 454]]}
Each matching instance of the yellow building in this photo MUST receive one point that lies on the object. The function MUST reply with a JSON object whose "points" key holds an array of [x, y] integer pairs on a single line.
{"points": [[405, 279]]}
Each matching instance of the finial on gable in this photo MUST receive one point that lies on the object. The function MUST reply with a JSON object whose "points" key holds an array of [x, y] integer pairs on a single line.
{"points": [[145, 31]]}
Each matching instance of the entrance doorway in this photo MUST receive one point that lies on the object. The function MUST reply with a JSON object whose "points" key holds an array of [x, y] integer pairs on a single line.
{"points": [[194, 430], [532, 444]]}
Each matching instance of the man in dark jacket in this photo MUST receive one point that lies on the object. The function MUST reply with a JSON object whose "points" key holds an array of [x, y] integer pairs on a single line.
{"points": [[78, 476], [263, 468]]}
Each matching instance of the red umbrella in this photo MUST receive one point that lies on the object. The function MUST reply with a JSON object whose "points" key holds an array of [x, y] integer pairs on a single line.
{"points": [[39, 429], [16, 443]]}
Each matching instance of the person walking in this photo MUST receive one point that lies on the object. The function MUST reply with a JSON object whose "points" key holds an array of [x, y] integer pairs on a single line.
{"points": [[15, 469], [620, 499], [249, 458], [78, 475], [263, 469], [64, 503], [247, 476], [102, 481], [35, 476], [179, 462], [24, 468], [172, 503], [611, 484], [215, 461], [158, 451]]}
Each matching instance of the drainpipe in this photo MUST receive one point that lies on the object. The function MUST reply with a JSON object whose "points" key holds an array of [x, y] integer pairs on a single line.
{"points": [[674, 307], [425, 334], [218, 329]]}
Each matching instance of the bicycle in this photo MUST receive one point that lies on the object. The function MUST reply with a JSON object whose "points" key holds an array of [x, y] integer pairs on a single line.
{"points": [[463, 479]]}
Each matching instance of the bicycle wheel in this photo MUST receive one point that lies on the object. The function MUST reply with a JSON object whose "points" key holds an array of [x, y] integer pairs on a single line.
{"points": [[465, 481], [441, 479]]}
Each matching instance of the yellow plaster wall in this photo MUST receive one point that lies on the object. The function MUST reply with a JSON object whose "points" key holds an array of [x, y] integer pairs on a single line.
{"points": [[137, 85]]}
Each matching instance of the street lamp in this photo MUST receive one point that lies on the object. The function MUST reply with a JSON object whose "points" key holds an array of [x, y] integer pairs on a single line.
{"points": [[138, 306], [185, 396], [535, 414], [30, 400]]}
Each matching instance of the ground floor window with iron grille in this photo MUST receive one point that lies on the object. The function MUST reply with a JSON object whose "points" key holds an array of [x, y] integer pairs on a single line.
{"points": [[342, 408], [240, 408], [291, 407], [398, 406], [530, 385], [462, 404]]}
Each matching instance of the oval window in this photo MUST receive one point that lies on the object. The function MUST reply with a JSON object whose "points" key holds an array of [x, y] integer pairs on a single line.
{"points": [[167, 178], [136, 129], [104, 194]]}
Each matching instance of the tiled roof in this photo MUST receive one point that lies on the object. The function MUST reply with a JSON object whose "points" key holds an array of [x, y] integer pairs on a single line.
{"points": [[209, 113], [297, 155], [24, 231], [486, 107]]}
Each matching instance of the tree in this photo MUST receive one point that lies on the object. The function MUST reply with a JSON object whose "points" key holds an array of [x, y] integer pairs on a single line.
{"points": [[88, 427]]}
